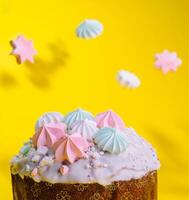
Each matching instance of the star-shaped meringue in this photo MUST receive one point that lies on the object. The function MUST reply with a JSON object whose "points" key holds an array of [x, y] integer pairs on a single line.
{"points": [[23, 49], [167, 61]]}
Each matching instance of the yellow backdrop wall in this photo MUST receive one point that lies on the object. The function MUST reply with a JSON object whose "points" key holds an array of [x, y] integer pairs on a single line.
{"points": [[70, 73]]}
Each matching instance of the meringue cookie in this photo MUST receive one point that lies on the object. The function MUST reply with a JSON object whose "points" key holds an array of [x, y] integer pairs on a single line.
{"points": [[128, 79], [109, 119], [89, 28], [49, 134], [111, 140], [49, 117], [86, 128], [77, 115], [70, 148], [167, 61]]}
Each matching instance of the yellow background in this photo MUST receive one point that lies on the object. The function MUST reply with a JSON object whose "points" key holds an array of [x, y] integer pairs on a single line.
{"points": [[70, 72]]}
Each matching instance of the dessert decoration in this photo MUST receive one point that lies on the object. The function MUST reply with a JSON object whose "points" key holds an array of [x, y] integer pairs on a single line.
{"points": [[89, 28], [23, 49], [26, 148], [42, 150], [49, 117], [46, 161], [87, 156], [167, 61], [64, 169], [86, 128], [128, 79], [109, 119], [49, 134], [71, 148], [111, 140], [34, 172], [77, 115]]}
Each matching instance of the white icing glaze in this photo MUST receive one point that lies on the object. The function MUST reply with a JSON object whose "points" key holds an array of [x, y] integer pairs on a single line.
{"points": [[103, 168]]}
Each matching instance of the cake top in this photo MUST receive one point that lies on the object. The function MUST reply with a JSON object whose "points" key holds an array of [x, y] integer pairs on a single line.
{"points": [[101, 148]]}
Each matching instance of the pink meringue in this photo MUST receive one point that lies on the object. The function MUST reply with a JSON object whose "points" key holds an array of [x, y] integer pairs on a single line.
{"points": [[109, 119], [167, 61], [49, 134], [23, 49], [71, 148]]}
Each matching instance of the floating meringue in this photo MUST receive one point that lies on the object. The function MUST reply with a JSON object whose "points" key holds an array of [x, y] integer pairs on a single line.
{"points": [[167, 61], [89, 28], [49, 117], [23, 49], [71, 148], [128, 79], [49, 134], [77, 115], [111, 140], [109, 119], [86, 128]]}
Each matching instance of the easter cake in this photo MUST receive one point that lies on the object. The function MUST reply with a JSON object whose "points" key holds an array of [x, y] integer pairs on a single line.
{"points": [[80, 156]]}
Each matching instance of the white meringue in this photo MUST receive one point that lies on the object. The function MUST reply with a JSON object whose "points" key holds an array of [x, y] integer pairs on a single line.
{"points": [[128, 79], [86, 128], [49, 117]]}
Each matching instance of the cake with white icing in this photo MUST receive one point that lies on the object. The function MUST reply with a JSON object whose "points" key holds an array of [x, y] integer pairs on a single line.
{"points": [[82, 156]]}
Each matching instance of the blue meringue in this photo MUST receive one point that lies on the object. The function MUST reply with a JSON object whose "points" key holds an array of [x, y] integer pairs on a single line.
{"points": [[77, 115], [49, 117], [111, 140], [89, 29]]}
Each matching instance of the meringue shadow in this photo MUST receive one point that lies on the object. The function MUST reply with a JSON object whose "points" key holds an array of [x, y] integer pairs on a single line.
{"points": [[7, 81], [18, 60], [40, 73]]}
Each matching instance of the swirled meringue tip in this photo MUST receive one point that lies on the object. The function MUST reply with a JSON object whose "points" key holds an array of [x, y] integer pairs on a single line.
{"points": [[49, 117], [111, 140], [89, 29], [49, 134], [77, 115], [86, 128], [71, 148], [128, 79], [109, 119]]}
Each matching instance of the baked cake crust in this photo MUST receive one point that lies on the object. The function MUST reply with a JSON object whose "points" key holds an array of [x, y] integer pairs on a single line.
{"points": [[144, 188]]}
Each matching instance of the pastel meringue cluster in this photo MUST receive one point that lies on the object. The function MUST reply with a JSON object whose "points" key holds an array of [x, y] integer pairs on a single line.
{"points": [[61, 144], [71, 136]]}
